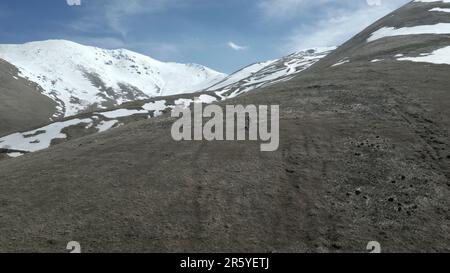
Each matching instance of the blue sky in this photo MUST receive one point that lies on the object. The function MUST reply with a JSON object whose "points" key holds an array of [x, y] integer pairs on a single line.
{"points": [[222, 34]]}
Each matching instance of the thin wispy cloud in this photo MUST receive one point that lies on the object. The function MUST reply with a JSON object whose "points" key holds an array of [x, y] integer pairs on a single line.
{"points": [[324, 22], [283, 10], [236, 47], [73, 2], [195, 30], [112, 19], [114, 15], [116, 12]]}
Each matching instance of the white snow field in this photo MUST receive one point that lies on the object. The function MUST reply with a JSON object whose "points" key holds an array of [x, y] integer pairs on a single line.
{"points": [[42, 138], [440, 28], [106, 125], [344, 61], [39, 139], [439, 56], [78, 76], [440, 10], [267, 73], [157, 107]]}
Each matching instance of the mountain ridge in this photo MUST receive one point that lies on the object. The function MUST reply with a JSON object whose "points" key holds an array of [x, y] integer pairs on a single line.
{"points": [[242, 81], [267, 73]]}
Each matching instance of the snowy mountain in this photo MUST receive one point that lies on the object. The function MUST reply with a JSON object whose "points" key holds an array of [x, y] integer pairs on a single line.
{"points": [[267, 73], [80, 77], [246, 79]]}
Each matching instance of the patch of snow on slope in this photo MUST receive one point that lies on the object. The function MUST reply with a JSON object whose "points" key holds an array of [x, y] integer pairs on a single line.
{"points": [[439, 56], [272, 72], [340, 63], [440, 28], [185, 103], [119, 113], [157, 107], [39, 139], [13, 155], [106, 125], [440, 10], [206, 99]]}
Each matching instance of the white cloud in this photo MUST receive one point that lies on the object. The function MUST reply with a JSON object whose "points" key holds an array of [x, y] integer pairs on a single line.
{"points": [[116, 12], [236, 47], [112, 18], [114, 15], [160, 50], [289, 9], [374, 2], [73, 2], [324, 22]]}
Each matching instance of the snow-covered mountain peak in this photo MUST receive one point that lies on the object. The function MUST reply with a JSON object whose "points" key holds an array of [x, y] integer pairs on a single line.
{"points": [[80, 77]]}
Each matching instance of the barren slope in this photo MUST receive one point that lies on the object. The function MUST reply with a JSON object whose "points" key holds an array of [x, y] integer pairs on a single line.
{"points": [[21, 104], [364, 156]]}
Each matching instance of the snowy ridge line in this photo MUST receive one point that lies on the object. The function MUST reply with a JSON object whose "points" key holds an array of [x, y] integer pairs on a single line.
{"points": [[241, 74], [268, 73]]}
